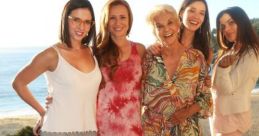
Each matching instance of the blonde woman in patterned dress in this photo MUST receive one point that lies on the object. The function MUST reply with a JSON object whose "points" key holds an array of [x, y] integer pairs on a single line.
{"points": [[174, 95]]}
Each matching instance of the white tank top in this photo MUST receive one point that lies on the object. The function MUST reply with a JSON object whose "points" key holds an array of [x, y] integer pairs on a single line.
{"points": [[74, 98]]}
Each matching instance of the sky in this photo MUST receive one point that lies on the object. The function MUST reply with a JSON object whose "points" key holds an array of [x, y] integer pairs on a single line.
{"points": [[35, 23]]}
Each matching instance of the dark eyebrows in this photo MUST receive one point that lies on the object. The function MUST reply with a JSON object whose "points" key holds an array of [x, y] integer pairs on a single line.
{"points": [[193, 8], [229, 20], [222, 26]]}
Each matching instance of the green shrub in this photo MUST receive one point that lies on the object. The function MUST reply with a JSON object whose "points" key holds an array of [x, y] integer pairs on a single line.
{"points": [[26, 131]]}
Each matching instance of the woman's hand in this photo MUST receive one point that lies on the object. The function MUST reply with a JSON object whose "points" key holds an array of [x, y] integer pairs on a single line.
{"points": [[207, 81], [154, 49], [36, 129], [180, 116], [48, 101], [227, 61]]}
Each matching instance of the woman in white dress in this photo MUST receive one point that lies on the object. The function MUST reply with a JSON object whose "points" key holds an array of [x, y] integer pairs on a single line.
{"points": [[72, 75]]}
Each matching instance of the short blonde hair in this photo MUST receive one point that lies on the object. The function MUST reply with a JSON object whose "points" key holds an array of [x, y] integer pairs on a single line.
{"points": [[158, 10]]}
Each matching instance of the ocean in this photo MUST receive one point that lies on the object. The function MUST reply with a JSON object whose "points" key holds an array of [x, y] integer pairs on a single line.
{"points": [[11, 61]]}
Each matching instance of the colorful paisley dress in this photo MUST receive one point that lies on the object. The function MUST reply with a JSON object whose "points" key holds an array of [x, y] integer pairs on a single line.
{"points": [[163, 96]]}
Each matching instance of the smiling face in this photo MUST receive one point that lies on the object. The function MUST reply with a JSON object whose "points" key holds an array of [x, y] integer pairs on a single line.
{"points": [[79, 23], [166, 28], [228, 27], [118, 21], [193, 15]]}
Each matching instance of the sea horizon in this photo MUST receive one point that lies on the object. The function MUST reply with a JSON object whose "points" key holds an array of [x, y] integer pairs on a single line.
{"points": [[11, 61]]}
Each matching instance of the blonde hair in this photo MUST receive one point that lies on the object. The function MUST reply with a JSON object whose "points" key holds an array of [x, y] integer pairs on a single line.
{"points": [[104, 35], [107, 51], [160, 9]]}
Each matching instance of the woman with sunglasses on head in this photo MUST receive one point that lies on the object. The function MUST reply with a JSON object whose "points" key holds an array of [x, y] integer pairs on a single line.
{"points": [[194, 33], [118, 105], [72, 74], [235, 73], [195, 28], [174, 97]]}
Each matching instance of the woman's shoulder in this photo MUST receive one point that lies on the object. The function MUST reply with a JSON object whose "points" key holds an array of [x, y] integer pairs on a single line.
{"points": [[139, 45], [251, 56], [195, 52], [252, 52], [48, 55], [196, 56], [140, 48], [52, 51]]}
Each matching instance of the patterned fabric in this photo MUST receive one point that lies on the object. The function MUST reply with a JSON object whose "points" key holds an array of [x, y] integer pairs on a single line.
{"points": [[163, 96], [118, 106], [86, 133]]}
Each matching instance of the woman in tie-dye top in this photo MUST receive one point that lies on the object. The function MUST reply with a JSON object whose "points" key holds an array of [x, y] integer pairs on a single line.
{"points": [[118, 104], [174, 94]]}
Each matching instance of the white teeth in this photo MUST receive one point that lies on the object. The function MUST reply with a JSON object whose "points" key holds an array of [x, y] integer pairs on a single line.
{"points": [[167, 35], [118, 29], [79, 33], [194, 22]]}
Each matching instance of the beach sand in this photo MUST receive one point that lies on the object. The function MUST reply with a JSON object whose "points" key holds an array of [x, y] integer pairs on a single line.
{"points": [[10, 125], [255, 108]]}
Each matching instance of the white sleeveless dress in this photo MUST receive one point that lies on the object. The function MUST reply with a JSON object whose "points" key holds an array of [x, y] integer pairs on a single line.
{"points": [[73, 110]]}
